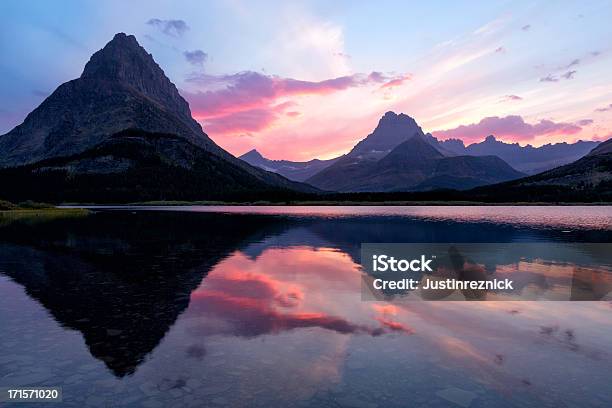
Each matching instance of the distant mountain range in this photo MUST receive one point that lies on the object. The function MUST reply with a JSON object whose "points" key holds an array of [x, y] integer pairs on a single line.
{"points": [[123, 132], [297, 171], [587, 179], [394, 129], [527, 159], [398, 156]]}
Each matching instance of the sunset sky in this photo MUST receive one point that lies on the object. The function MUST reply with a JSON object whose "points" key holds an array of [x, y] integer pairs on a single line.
{"points": [[299, 80]]}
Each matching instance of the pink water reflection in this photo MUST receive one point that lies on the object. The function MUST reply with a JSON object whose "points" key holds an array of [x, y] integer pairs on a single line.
{"points": [[572, 217], [532, 348]]}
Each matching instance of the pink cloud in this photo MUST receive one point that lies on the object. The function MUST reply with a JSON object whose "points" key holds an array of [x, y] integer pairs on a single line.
{"points": [[249, 101], [250, 120], [397, 81], [248, 89], [395, 326], [288, 86], [602, 138], [256, 304], [512, 127]]}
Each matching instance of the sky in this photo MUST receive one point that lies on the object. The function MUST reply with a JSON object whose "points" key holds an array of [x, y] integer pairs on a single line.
{"points": [[308, 79]]}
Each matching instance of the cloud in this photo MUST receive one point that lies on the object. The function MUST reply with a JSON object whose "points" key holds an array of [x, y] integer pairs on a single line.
{"points": [[604, 109], [400, 80], [342, 54], [585, 122], [602, 138], [510, 98], [196, 57], [549, 78], [526, 27], [566, 75], [512, 127], [249, 303], [573, 63], [250, 120], [569, 74], [307, 47], [173, 28], [395, 326], [500, 50], [251, 101]]}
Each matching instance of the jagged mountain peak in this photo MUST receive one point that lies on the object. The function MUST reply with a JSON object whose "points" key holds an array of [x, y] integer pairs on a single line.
{"points": [[119, 58], [121, 98], [252, 154], [124, 61], [121, 88], [392, 119], [392, 130]]}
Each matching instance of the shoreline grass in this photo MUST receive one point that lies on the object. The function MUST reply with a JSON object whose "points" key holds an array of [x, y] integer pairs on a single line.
{"points": [[40, 214], [30, 207]]}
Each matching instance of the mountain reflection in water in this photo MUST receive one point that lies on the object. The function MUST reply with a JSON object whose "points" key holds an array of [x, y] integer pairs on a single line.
{"points": [[265, 309]]}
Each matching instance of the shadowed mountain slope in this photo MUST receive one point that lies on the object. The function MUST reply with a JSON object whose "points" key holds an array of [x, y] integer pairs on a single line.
{"points": [[397, 156], [587, 179], [528, 159], [123, 89]]}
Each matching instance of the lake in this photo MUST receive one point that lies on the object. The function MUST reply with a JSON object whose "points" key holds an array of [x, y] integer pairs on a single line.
{"points": [[262, 306]]}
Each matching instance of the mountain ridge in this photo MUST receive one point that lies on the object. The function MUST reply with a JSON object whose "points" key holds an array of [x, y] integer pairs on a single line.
{"points": [[528, 159], [413, 165], [81, 112], [121, 88], [587, 179], [293, 170]]}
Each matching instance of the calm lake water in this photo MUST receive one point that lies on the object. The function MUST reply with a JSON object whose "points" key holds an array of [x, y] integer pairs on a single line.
{"points": [[261, 306]]}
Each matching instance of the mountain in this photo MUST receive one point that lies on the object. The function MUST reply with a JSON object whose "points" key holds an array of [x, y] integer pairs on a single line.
{"points": [[297, 171], [349, 170], [601, 149], [391, 131], [133, 165], [88, 128], [528, 159], [121, 87], [587, 179], [464, 172], [126, 291], [412, 165]]}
